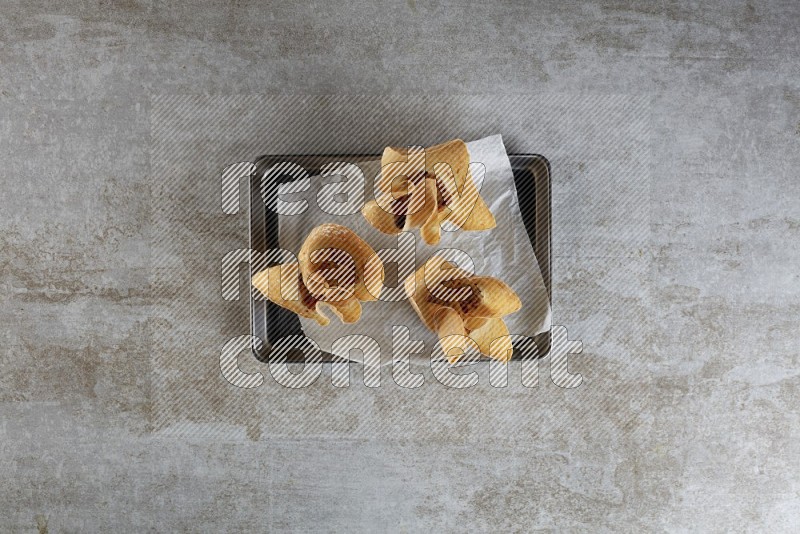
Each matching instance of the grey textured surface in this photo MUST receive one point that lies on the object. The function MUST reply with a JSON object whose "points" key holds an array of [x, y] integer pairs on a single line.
{"points": [[703, 435]]}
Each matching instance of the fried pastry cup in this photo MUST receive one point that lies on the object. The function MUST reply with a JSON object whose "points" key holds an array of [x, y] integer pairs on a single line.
{"points": [[422, 188], [460, 307], [335, 268]]}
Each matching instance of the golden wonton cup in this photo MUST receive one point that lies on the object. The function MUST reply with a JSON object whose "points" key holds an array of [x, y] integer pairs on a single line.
{"points": [[421, 188], [461, 307], [335, 268]]}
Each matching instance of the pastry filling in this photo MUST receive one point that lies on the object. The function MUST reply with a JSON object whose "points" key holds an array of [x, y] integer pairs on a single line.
{"points": [[399, 208], [308, 300]]}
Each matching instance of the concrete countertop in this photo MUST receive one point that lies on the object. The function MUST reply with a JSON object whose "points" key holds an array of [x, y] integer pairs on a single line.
{"points": [[688, 417]]}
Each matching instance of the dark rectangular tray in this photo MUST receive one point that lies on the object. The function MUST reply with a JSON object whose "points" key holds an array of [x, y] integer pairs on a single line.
{"points": [[269, 322]]}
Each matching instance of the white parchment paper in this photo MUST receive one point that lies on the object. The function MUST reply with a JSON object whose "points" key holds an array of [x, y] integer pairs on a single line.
{"points": [[504, 252]]}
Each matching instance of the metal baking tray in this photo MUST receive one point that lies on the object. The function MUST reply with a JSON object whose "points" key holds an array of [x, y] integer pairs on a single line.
{"points": [[269, 322]]}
